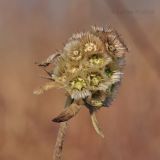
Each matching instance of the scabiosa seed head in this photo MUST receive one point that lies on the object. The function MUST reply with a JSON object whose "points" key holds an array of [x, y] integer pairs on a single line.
{"points": [[89, 68], [89, 61]]}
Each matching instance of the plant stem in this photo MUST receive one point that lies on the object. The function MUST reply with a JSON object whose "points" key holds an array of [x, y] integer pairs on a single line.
{"points": [[60, 140], [57, 155]]}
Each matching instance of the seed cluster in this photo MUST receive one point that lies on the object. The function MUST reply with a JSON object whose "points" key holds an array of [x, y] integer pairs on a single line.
{"points": [[91, 63], [89, 68]]}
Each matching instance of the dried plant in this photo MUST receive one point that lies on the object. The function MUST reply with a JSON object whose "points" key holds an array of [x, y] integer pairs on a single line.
{"points": [[89, 68]]}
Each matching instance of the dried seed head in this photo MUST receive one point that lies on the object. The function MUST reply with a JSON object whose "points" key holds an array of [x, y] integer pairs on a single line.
{"points": [[89, 68], [90, 64]]}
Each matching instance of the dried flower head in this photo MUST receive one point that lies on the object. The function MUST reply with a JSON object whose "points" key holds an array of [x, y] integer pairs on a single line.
{"points": [[89, 68]]}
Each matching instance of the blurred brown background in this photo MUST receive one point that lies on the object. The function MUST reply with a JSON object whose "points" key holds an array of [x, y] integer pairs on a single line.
{"points": [[30, 30]]}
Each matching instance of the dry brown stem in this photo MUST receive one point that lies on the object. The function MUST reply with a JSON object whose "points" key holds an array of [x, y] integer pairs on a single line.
{"points": [[60, 140], [57, 155]]}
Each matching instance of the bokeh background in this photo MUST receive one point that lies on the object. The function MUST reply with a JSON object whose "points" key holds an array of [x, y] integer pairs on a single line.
{"points": [[30, 30]]}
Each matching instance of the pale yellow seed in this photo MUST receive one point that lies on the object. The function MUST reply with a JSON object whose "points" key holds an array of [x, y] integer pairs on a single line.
{"points": [[90, 47], [76, 53], [96, 61], [78, 84], [95, 79]]}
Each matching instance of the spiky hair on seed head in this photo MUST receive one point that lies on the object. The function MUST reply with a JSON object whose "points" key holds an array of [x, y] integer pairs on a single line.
{"points": [[92, 43], [73, 50]]}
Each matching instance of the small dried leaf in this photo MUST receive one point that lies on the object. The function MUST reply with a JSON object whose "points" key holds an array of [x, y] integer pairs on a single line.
{"points": [[49, 60], [68, 113]]}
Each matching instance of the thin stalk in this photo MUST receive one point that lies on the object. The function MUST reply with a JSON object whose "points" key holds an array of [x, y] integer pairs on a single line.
{"points": [[57, 155]]}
